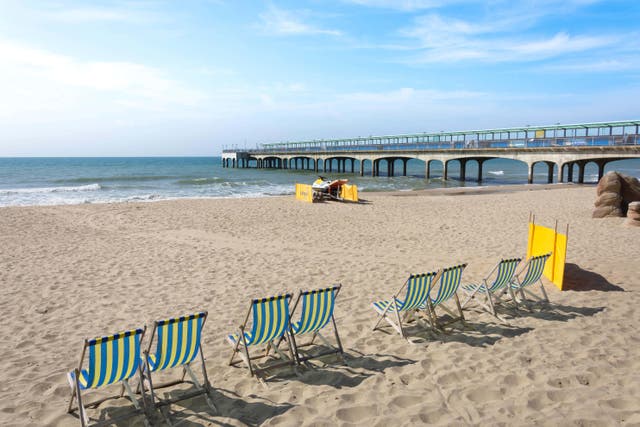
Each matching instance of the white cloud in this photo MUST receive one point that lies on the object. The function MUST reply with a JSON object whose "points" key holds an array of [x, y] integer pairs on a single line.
{"points": [[128, 83], [406, 5], [131, 12], [285, 22], [444, 39]]}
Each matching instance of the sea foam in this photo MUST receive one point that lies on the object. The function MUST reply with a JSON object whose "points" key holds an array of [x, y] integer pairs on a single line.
{"points": [[89, 187]]}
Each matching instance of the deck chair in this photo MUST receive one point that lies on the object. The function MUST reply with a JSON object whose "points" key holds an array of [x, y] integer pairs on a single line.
{"points": [[533, 274], [270, 323], [178, 344], [449, 282], [504, 273], [112, 359], [316, 311], [396, 312]]}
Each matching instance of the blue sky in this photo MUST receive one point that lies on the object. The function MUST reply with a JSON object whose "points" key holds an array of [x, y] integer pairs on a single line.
{"points": [[127, 78]]}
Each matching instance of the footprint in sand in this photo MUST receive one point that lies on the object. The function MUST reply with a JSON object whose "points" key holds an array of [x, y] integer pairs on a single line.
{"points": [[406, 401], [356, 414], [484, 394]]}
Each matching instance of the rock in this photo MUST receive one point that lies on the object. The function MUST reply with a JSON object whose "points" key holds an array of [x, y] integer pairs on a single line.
{"points": [[609, 183], [630, 190], [606, 211], [608, 199], [633, 214], [615, 192]]}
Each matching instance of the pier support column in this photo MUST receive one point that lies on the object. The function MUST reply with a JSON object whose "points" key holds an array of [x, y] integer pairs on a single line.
{"points": [[375, 165], [446, 169], [581, 166], [362, 167], [353, 161], [601, 164], [570, 173], [530, 167], [550, 172], [480, 162], [389, 168], [404, 167], [463, 169], [560, 170], [427, 172], [316, 163]]}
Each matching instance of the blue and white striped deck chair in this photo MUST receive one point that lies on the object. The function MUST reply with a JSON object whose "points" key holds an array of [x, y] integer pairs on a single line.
{"points": [[112, 359], [534, 269], [395, 311], [504, 272], [178, 342], [445, 289], [316, 311], [270, 323]]}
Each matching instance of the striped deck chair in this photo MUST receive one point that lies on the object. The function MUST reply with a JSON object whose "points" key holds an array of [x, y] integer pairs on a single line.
{"points": [[448, 286], [112, 359], [396, 312], [316, 311], [270, 323], [178, 343], [504, 273], [534, 269]]}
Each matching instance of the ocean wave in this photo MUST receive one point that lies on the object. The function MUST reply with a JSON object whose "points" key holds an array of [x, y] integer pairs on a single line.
{"points": [[496, 172], [201, 181], [116, 178], [90, 187]]}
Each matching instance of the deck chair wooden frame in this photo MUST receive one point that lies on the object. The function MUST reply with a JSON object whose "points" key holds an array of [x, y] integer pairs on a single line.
{"points": [[504, 273], [316, 311], [532, 270], [178, 343], [449, 283], [270, 322], [399, 312], [112, 359]]}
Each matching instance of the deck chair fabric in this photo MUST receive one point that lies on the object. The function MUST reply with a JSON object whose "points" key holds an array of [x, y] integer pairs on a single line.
{"points": [[112, 359], [316, 311], [534, 269], [504, 273], [445, 289], [270, 322], [395, 311], [178, 344]]}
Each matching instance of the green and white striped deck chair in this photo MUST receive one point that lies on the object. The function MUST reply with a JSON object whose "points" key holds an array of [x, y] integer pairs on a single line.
{"points": [[112, 359], [316, 311], [534, 269], [396, 312], [445, 289], [270, 323], [178, 342], [504, 272]]}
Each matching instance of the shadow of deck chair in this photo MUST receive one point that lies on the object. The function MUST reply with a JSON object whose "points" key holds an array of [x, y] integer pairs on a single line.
{"points": [[397, 312], [178, 343], [533, 269], [504, 273], [270, 323], [316, 311], [445, 289], [112, 359]]}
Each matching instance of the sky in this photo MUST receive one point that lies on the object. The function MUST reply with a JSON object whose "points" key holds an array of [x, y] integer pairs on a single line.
{"points": [[191, 77]]}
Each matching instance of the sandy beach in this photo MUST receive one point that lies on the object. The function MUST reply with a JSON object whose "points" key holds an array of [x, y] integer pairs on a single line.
{"points": [[70, 272]]}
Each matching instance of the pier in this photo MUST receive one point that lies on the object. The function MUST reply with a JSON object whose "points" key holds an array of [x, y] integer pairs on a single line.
{"points": [[561, 148]]}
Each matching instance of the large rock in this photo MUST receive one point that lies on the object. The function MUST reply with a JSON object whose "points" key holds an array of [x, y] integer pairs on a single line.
{"points": [[633, 214], [615, 192]]}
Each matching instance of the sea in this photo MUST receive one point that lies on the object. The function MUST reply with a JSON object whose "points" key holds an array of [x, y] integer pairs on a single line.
{"points": [[63, 181]]}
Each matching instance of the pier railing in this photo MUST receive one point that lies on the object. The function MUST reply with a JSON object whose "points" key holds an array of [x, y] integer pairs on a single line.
{"points": [[328, 146]]}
